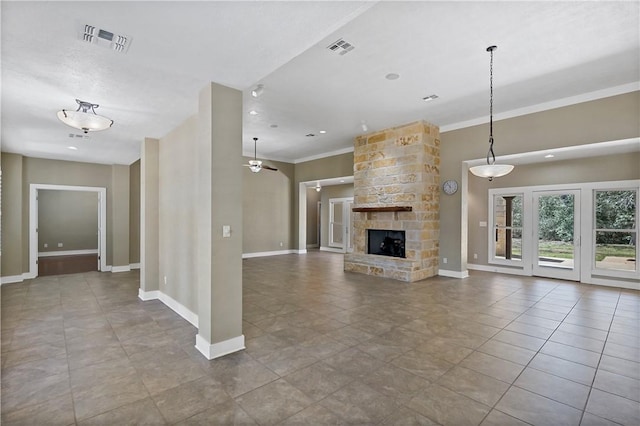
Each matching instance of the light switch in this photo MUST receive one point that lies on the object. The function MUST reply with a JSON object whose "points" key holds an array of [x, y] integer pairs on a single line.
{"points": [[226, 231]]}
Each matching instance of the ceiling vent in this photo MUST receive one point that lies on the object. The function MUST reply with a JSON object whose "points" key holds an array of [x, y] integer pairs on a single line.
{"points": [[118, 42], [341, 47]]}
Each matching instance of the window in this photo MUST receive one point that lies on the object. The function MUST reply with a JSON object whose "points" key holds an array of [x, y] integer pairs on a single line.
{"points": [[615, 230], [507, 227]]}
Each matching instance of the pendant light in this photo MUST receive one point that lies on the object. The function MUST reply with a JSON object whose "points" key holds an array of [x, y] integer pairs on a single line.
{"points": [[85, 118], [491, 169]]}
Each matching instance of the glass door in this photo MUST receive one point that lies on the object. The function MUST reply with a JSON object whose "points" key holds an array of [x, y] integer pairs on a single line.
{"points": [[557, 234], [341, 224], [336, 226]]}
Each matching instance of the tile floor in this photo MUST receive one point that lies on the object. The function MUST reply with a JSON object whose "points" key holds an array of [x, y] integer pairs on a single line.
{"points": [[325, 347]]}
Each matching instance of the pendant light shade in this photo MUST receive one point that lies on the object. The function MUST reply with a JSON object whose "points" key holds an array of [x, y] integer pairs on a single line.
{"points": [[491, 169], [85, 118]]}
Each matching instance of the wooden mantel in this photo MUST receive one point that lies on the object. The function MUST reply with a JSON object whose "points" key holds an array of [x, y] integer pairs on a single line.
{"points": [[382, 209]]}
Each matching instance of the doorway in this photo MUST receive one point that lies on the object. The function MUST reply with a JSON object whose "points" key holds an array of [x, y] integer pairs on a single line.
{"points": [[34, 224]]}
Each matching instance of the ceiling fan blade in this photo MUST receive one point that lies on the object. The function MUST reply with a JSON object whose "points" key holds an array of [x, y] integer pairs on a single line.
{"points": [[269, 168]]}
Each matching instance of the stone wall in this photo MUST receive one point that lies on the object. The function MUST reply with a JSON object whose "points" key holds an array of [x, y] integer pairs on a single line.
{"points": [[398, 167]]}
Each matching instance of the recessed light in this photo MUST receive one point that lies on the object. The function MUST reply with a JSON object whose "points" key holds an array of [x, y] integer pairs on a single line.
{"points": [[74, 148], [322, 132], [257, 91], [549, 156], [392, 76], [430, 98], [253, 112]]}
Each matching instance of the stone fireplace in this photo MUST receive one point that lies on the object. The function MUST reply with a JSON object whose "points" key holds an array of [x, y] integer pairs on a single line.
{"points": [[397, 189]]}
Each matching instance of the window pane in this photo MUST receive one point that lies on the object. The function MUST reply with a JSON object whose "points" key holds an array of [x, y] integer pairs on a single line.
{"points": [[615, 209], [508, 210], [508, 244], [616, 250], [337, 233]]}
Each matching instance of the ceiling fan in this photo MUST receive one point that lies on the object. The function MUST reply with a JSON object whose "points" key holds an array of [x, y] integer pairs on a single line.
{"points": [[256, 165]]}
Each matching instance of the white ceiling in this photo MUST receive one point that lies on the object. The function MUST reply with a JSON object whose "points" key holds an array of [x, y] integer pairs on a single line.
{"points": [[548, 52]]}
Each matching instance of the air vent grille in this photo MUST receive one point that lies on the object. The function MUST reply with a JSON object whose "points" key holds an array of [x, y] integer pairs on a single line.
{"points": [[94, 35], [341, 47]]}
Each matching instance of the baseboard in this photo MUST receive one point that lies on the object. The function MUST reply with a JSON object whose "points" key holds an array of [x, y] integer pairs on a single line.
{"points": [[303, 251], [498, 269], [310, 246], [331, 249], [11, 279], [267, 253], [453, 274], [216, 350], [67, 253], [148, 295], [179, 308], [171, 303], [134, 266], [107, 268], [123, 268]]}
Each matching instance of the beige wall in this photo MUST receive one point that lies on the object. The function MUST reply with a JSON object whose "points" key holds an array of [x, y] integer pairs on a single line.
{"points": [[177, 208], [602, 120], [55, 172], [328, 192], [149, 223], [23, 171], [313, 197], [595, 169], [134, 212], [12, 216], [267, 208], [67, 217], [323, 168]]}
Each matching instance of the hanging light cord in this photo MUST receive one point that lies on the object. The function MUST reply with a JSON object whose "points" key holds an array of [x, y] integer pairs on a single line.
{"points": [[491, 157]]}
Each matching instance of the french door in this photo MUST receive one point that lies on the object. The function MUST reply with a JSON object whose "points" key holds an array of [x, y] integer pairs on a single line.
{"points": [[556, 234], [341, 223]]}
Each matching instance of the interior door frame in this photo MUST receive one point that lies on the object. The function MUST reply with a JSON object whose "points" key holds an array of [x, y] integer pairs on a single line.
{"points": [[573, 274], [33, 222]]}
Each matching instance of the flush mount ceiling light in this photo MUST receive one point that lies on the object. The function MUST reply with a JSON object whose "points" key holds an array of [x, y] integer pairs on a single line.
{"points": [[318, 187], [491, 169], [85, 118], [257, 91], [253, 112]]}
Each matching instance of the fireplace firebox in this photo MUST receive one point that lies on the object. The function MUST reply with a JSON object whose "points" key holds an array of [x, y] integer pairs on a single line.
{"points": [[386, 243]]}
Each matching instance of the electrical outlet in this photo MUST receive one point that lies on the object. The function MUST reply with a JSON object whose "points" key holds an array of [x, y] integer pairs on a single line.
{"points": [[59, 244], [46, 245], [281, 244], [475, 255], [226, 231], [165, 280], [444, 260]]}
